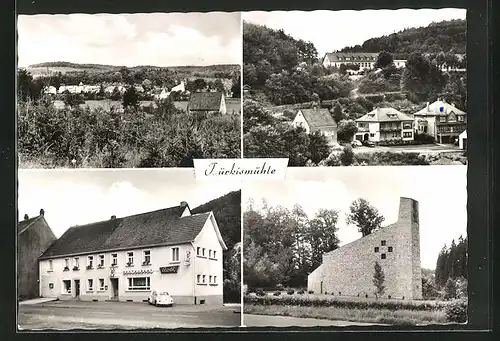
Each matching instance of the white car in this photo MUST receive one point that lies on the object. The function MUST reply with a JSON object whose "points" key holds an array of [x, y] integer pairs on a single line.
{"points": [[356, 143], [159, 298]]}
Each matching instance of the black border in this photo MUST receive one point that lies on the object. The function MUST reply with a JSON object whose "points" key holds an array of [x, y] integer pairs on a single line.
{"points": [[480, 169]]}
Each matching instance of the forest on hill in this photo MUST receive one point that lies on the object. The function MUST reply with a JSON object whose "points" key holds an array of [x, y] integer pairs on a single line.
{"points": [[227, 212], [444, 36]]}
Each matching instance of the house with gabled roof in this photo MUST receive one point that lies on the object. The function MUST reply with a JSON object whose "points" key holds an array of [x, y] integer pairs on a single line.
{"points": [[207, 102], [441, 120], [384, 124], [124, 259], [316, 119], [34, 236], [363, 59]]}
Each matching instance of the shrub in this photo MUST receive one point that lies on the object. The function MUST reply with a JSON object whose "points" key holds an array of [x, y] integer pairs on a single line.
{"points": [[290, 291], [277, 293], [424, 138], [450, 289], [301, 292], [280, 286], [328, 301], [456, 311], [310, 292], [260, 292], [347, 156]]}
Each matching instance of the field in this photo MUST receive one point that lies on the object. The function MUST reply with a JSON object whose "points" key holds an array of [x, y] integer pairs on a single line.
{"points": [[387, 311]]}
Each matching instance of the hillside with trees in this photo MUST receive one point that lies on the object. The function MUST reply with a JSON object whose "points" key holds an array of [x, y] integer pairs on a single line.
{"points": [[227, 212], [444, 36]]}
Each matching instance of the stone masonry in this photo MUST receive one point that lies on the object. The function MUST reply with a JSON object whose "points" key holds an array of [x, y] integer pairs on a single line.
{"points": [[348, 271]]}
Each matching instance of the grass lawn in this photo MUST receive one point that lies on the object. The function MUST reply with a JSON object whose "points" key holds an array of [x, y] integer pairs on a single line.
{"points": [[398, 317]]}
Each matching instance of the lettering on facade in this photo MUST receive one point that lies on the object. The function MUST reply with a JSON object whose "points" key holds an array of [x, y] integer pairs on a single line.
{"points": [[138, 272], [169, 269], [187, 258]]}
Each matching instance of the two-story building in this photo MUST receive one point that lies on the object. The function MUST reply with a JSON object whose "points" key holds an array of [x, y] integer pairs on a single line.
{"points": [[384, 124], [124, 259], [365, 61], [441, 120]]}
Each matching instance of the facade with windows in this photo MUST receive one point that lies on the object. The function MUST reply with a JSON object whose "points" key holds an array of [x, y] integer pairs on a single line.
{"points": [[384, 124], [441, 120], [168, 250], [348, 270], [317, 120]]}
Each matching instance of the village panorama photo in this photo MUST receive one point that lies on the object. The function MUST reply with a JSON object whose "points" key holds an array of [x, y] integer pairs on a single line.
{"points": [[343, 247], [128, 90], [127, 249], [325, 90]]}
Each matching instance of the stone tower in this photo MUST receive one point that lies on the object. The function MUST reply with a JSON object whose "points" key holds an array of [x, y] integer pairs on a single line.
{"points": [[348, 271]]}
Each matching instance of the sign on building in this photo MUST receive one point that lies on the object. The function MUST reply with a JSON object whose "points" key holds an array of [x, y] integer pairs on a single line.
{"points": [[169, 269]]}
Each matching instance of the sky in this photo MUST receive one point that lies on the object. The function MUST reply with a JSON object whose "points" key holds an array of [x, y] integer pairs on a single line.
{"points": [[440, 190], [159, 39], [78, 197], [334, 30]]}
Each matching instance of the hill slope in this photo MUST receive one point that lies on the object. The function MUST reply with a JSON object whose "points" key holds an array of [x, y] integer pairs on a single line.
{"points": [[445, 36], [227, 211]]}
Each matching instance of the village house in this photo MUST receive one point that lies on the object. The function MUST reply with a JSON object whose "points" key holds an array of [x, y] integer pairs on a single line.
{"points": [[441, 120], [34, 237], [462, 140], [50, 90], [124, 259], [207, 102], [349, 270], [181, 87], [317, 119], [384, 124]]}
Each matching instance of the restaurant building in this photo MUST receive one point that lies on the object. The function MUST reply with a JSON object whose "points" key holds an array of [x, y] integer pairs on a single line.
{"points": [[124, 259]]}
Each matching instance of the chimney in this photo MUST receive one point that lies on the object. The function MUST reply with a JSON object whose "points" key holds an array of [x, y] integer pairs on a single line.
{"points": [[183, 204], [26, 217], [113, 217], [42, 212], [427, 106]]}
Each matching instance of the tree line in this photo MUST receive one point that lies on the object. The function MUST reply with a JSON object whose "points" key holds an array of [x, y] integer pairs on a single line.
{"points": [[452, 262], [283, 246]]}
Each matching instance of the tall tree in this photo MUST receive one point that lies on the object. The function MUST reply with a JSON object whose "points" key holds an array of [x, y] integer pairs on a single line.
{"points": [[378, 279], [364, 216], [323, 235], [130, 98], [384, 59]]}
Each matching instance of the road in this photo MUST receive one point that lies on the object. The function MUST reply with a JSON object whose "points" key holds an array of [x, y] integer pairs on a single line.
{"points": [[123, 315], [423, 148], [251, 320]]}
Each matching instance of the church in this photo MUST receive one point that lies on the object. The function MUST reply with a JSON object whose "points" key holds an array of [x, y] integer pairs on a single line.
{"points": [[349, 270]]}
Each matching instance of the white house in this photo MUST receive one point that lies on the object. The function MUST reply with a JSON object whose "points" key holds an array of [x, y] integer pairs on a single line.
{"points": [[462, 140], [364, 60], [316, 119], [124, 259], [400, 63], [179, 87], [384, 124], [205, 102], [50, 90]]}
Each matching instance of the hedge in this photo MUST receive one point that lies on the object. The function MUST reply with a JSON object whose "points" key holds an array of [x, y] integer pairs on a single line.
{"points": [[332, 302]]}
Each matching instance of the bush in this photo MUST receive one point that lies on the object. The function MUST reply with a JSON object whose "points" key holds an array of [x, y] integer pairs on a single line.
{"points": [[260, 292], [310, 292], [290, 291], [280, 286], [329, 301], [424, 138], [390, 159], [347, 156], [301, 292], [277, 293], [456, 311]]}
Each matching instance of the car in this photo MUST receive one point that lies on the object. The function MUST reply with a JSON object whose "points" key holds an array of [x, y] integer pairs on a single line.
{"points": [[160, 298], [356, 143], [368, 143]]}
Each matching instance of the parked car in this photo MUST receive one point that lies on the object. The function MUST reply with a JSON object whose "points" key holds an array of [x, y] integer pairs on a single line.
{"points": [[368, 143], [356, 143], [160, 298]]}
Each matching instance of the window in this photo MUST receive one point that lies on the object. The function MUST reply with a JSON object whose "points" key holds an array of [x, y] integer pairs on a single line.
{"points": [[198, 250], [101, 261], [147, 257], [101, 284], [90, 262], [407, 126], [51, 285], [139, 283], [204, 279], [210, 279], [77, 262], [175, 254], [203, 252], [407, 134], [198, 278], [372, 134], [114, 259], [376, 248], [382, 256], [67, 287], [66, 264], [442, 119], [460, 118], [383, 242], [214, 254], [130, 258], [90, 284], [215, 279], [389, 249], [210, 253], [50, 265]]}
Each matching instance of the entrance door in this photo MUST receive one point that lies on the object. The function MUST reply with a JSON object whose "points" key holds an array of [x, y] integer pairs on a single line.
{"points": [[114, 288], [77, 288]]}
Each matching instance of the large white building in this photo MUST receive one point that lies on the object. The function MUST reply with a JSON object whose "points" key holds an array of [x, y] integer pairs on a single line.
{"points": [[124, 259], [365, 61], [384, 124]]}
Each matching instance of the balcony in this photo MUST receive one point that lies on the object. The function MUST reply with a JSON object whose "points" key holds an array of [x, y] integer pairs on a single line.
{"points": [[390, 129]]}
